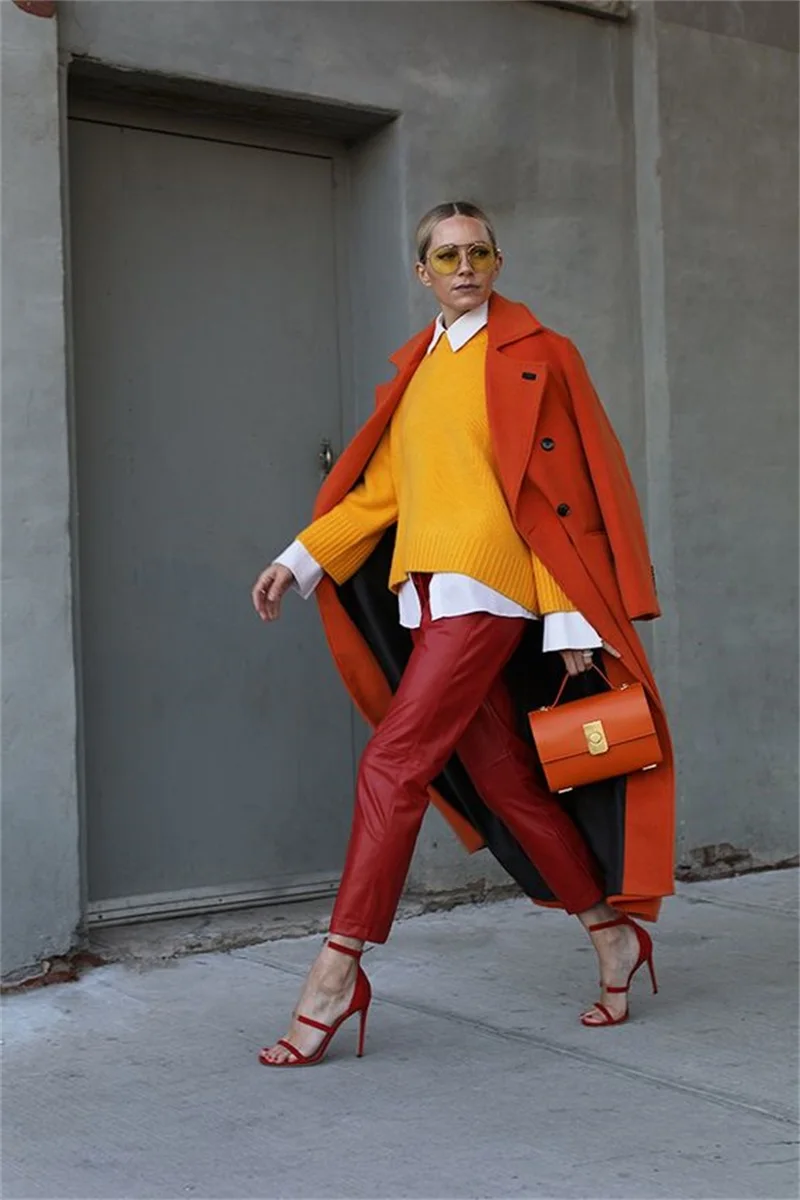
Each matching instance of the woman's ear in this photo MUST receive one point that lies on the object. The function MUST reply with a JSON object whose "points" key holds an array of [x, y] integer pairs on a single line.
{"points": [[423, 275]]}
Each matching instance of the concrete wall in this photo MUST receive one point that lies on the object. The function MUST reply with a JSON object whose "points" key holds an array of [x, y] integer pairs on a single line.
{"points": [[642, 176], [40, 876], [727, 96]]}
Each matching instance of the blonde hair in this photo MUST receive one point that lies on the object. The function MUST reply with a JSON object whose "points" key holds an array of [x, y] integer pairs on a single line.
{"points": [[452, 208]]}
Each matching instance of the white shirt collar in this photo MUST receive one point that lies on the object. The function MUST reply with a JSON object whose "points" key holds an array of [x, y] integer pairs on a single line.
{"points": [[462, 330]]}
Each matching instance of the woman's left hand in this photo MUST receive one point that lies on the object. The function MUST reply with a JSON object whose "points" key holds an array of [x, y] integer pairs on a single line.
{"points": [[578, 661]]}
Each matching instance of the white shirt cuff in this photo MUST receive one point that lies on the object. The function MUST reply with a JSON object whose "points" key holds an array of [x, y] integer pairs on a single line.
{"points": [[305, 568], [569, 631]]}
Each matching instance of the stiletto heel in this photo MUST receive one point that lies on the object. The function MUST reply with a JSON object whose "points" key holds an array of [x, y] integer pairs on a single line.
{"points": [[645, 956], [362, 998], [362, 1033], [652, 971]]}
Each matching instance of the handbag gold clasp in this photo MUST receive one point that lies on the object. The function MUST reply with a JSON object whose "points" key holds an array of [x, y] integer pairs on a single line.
{"points": [[596, 741]]}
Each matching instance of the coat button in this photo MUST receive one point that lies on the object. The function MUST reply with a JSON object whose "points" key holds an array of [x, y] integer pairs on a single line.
{"points": [[563, 510], [528, 375], [547, 444]]}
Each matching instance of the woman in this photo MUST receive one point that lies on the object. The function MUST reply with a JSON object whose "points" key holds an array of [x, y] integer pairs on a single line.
{"points": [[488, 490]]}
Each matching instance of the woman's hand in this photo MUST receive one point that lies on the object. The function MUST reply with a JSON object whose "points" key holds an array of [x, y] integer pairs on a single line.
{"points": [[578, 661], [269, 589]]}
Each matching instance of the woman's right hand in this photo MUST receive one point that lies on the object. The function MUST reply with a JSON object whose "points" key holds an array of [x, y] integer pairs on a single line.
{"points": [[269, 590]]}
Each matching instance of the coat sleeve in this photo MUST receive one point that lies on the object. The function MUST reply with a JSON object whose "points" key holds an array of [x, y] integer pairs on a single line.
{"points": [[615, 492]]}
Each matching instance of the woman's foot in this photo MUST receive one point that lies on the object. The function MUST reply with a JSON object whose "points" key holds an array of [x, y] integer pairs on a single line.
{"points": [[327, 993], [618, 952]]}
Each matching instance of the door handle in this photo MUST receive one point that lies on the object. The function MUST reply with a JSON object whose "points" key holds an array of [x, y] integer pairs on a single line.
{"points": [[326, 456]]}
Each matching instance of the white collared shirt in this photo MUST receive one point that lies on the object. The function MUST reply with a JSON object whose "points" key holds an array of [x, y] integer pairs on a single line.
{"points": [[452, 594], [461, 331]]}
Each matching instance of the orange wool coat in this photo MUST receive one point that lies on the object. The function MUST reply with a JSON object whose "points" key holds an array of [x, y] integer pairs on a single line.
{"points": [[569, 490]]}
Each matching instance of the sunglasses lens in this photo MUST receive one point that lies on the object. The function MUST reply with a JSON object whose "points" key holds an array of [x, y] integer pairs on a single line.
{"points": [[446, 260], [481, 258]]}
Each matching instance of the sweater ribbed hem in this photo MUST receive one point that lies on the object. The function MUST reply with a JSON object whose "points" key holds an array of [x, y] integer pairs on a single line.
{"points": [[550, 595], [495, 564], [341, 547]]}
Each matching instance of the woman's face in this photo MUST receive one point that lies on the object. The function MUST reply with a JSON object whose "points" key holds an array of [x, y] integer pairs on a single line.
{"points": [[470, 283]]}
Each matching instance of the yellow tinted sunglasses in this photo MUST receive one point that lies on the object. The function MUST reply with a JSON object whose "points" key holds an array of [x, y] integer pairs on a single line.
{"points": [[445, 260]]}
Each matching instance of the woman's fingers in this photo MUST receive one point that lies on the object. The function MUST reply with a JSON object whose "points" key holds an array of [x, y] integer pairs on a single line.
{"points": [[278, 586], [577, 661], [269, 589], [274, 596], [260, 592], [573, 661]]}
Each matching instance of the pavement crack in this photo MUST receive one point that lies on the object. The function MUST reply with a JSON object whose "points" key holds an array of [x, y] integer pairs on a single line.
{"points": [[586, 1057]]}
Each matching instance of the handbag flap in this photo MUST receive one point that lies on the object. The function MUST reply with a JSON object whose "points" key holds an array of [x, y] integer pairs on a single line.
{"points": [[624, 713]]}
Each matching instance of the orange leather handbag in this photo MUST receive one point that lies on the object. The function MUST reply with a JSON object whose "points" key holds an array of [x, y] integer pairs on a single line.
{"points": [[597, 737]]}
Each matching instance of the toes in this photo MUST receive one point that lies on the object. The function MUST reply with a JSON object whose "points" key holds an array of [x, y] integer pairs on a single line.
{"points": [[596, 1016]]}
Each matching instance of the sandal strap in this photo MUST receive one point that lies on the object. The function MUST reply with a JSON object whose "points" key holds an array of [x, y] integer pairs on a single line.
{"points": [[344, 949], [620, 990], [313, 1024], [609, 924], [292, 1049], [610, 1019]]}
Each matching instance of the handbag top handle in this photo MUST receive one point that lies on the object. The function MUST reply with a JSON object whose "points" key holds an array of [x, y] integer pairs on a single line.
{"points": [[567, 678]]}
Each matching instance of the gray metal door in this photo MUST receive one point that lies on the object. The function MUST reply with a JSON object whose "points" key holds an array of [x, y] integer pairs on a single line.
{"points": [[218, 752]]}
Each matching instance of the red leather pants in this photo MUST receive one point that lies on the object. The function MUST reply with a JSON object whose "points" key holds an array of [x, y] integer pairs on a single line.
{"points": [[452, 697]]}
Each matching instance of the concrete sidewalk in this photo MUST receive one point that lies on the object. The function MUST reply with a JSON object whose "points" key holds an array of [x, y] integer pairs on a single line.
{"points": [[478, 1080]]}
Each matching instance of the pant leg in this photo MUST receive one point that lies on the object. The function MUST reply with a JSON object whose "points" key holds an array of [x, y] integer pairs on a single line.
{"points": [[502, 767], [453, 664]]}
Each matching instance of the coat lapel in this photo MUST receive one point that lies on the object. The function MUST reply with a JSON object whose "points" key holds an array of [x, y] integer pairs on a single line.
{"points": [[514, 389]]}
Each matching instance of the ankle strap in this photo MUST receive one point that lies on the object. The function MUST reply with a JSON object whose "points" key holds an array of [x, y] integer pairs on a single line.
{"points": [[344, 949], [609, 924]]}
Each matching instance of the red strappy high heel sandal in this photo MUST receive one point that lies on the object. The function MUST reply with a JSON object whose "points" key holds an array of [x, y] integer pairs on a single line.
{"points": [[645, 956], [362, 997]]}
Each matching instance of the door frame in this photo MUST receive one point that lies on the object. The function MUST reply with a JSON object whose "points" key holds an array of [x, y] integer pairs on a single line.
{"points": [[260, 135]]}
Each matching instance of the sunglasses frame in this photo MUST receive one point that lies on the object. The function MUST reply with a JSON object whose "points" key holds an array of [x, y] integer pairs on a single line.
{"points": [[468, 246]]}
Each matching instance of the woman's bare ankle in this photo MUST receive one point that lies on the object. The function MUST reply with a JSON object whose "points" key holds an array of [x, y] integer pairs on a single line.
{"points": [[332, 969], [345, 940], [597, 915]]}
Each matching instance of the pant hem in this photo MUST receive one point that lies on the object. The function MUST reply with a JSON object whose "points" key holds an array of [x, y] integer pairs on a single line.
{"points": [[574, 910], [362, 934]]}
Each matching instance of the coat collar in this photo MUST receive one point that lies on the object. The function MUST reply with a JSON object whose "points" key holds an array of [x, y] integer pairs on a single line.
{"points": [[509, 321]]}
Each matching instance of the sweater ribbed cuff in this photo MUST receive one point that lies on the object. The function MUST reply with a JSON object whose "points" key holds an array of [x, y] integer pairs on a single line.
{"points": [[338, 545]]}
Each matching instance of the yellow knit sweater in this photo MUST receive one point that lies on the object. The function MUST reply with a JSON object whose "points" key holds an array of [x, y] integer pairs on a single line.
{"points": [[433, 473]]}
